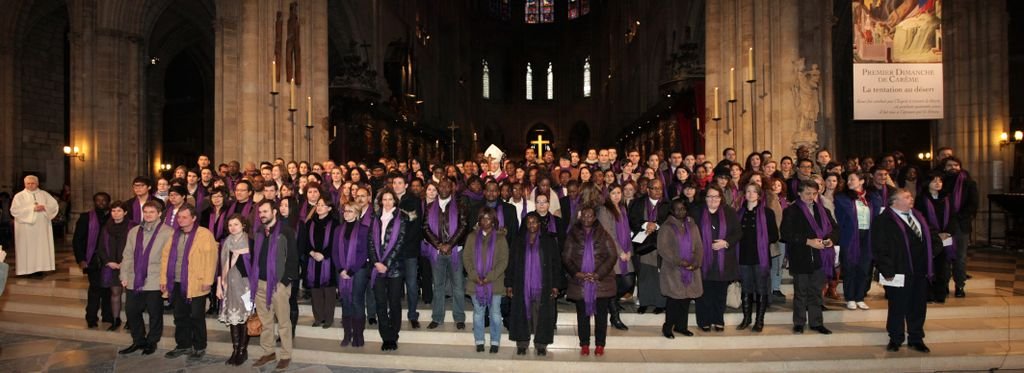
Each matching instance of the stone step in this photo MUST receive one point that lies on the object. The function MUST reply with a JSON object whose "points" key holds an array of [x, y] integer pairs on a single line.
{"points": [[1006, 353], [975, 307]]}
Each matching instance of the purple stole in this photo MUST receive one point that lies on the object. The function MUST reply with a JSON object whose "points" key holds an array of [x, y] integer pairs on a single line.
{"points": [[484, 265], [761, 226], [589, 266], [532, 275], [345, 257], [434, 223], [325, 265], [828, 255], [685, 250], [623, 236], [170, 219], [217, 224], [573, 208], [853, 252], [705, 234], [389, 246], [173, 262], [142, 256], [137, 211], [94, 231], [783, 201], [934, 220], [245, 210], [367, 218], [254, 276], [499, 209], [551, 223], [335, 192], [958, 191], [926, 236], [200, 194]]}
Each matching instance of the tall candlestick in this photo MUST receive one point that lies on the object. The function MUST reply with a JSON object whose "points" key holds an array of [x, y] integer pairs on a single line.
{"points": [[732, 84], [309, 111], [273, 76], [750, 65], [716, 116], [291, 95]]}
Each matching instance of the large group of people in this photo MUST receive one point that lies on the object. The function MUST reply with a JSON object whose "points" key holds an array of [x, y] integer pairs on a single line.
{"points": [[514, 237]]}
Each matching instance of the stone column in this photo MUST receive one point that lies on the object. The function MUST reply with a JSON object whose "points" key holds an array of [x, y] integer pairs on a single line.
{"points": [[248, 128]]}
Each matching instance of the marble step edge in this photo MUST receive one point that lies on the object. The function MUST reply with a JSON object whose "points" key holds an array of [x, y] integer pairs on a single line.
{"points": [[951, 310], [998, 356]]}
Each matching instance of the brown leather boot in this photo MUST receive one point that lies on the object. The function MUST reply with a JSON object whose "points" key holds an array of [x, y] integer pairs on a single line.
{"points": [[264, 360]]}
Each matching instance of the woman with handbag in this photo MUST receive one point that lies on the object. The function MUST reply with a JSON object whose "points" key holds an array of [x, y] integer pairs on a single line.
{"points": [[720, 233], [233, 285]]}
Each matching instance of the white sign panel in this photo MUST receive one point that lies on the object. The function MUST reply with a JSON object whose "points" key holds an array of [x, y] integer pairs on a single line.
{"points": [[897, 91]]}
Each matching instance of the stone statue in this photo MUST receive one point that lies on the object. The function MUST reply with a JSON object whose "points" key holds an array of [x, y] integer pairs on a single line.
{"points": [[807, 93], [293, 51]]}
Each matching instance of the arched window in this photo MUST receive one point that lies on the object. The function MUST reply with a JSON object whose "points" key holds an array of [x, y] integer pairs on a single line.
{"points": [[586, 77], [578, 8], [551, 82], [539, 11], [486, 79], [529, 81]]}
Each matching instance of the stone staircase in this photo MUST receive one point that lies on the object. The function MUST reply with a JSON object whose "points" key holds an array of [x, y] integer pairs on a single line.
{"points": [[981, 332]]}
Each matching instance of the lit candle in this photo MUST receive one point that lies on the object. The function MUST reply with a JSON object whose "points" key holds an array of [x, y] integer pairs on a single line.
{"points": [[334, 131], [750, 65], [291, 95], [716, 116], [698, 124], [309, 111], [732, 84], [474, 136], [273, 76]]}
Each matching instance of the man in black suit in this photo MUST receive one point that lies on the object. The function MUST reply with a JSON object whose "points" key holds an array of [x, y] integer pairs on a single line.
{"points": [[963, 194], [903, 245], [647, 213], [804, 246], [410, 250]]}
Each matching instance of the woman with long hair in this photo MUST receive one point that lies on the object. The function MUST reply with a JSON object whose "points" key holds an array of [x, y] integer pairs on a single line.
{"points": [[233, 284], [614, 218], [385, 240]]}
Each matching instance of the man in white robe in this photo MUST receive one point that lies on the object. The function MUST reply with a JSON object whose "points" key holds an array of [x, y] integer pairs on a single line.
{"points": [[33, 209]]}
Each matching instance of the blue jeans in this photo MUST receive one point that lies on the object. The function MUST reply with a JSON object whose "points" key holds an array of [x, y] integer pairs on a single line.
{"points": [[479, 312], [777, 268], [355, 305], [412, 288], [445, 274]]}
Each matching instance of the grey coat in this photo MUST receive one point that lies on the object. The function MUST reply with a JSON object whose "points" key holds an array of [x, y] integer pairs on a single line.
{"points": [[155, 255], [672, 285]]}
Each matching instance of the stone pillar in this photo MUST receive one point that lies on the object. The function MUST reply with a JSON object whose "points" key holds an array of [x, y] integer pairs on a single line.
{"points": [[765, 115], [977, 97], [248, 128]]}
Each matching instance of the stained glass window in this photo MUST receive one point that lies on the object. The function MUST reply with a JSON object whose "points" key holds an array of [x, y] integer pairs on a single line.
{"points": [[574, 9], [551, 82], [586, 77], [547, 11], [529, 81], [486, 78], [532, 9]]}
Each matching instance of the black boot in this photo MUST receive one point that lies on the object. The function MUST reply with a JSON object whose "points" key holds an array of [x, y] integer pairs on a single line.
{"points": [[762, 306], [616, 320], [747, 307], [346, 326], [234, 344], [243, 345]]}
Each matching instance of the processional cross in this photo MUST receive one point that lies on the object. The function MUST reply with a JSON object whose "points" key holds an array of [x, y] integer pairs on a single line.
{"points": [[540, 142]]}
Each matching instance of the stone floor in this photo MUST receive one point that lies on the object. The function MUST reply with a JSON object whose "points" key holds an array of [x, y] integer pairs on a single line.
{"points": [[24, 353]]}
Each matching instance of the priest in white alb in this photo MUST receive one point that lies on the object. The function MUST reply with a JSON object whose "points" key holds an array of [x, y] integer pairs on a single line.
{"points": [[33, 209]]}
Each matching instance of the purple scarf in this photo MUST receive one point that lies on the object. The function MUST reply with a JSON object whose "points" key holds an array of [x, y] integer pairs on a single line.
{"points": [[532, 276], [685, 251], [434, 223], [94, 231], [622, 235], [245, 210], [934, 220], [651, 209], [346, 248], [200, 195], [484, 265], [499, 209], [396, 224], [173, 262], [475, 196], [325, 266], [821, 230], [551, 224], [926, 235], [589, 266], [958, 190], [574, 204], [254, 276], [710, 254], [761, 226], [853, 251], [216, 222], [142, 256], [137, 211], [170, 218]]}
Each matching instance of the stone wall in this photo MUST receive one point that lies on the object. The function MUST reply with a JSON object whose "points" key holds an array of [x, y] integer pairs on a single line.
{"points": [[43, 118]]}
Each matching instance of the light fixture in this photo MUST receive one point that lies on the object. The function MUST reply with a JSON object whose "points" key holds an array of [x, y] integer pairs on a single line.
{"points": [[1018, 136], [1004, 138], [165, 167], [154, 60], [924, 156], [73, 152]]}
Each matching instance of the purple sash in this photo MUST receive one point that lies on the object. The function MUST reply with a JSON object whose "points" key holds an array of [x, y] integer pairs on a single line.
{"points": [[169, 219], [173, 262], [705, 234], [94, 231], [346, 248], [396, 224], [142, 256], [853, 251], [136, 211], [484, 266], [325, 265], [685, 251], [245, 210], [532, 276], [958, 191], [216, 222], [926, 235], [761, 227], [552, 228], [434, 223], [500, 212], [651, 209], [623, 236], [589, 266], [934, 220], [254, 277], [200, 195], [828, 254]]}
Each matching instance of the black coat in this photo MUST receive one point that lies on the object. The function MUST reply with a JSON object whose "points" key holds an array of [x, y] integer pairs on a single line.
{"points": [[318, 245], [80, 241], [795, 231], [638, 218], [890, 248], [392, 260], [553, 277], [412, 208], [969, 201], [733, 234]]}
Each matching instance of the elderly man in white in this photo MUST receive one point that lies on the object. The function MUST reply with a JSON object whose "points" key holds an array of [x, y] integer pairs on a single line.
{"points": [[32, 209]]}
